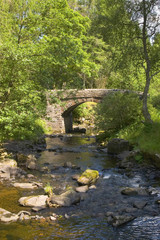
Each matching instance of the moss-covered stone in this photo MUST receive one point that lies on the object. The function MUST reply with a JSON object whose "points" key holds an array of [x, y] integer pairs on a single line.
{"points": [[65, 199], [88, 177]]}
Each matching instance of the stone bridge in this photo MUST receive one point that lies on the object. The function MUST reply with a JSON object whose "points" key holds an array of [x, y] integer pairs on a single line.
{"points": [[61, 103]]}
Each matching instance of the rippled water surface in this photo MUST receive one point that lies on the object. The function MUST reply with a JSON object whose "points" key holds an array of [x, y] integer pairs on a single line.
{"points": [[81, 152]]}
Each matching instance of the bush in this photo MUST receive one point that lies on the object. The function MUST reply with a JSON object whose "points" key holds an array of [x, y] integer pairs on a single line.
{"points": [[19, 116], [118, 111], [20, 126]]}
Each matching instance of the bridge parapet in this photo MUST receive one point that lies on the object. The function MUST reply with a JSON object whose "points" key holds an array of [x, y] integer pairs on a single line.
{"points": [[85, 93]]}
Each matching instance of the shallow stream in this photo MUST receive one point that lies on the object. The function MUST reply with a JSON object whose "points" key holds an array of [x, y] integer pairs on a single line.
{"points": [[86, 220]]}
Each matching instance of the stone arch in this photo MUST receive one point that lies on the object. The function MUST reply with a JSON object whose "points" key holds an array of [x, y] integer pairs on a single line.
{"points": [[67, 113]]}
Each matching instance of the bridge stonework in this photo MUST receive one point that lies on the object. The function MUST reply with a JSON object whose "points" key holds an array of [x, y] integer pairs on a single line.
{"points": [[61, 103]]}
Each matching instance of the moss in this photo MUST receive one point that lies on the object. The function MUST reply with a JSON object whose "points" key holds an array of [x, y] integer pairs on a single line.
{"points": [[88, 177], [48, 189]]}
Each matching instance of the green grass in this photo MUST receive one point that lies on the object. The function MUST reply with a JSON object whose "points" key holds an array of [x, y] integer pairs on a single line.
{"points": [[145, 137]]}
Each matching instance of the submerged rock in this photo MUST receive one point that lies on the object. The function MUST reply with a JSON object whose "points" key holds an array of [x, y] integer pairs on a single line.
{"points": [[118, 220], [37, 209], [65, 199], [140, 204], [88, 177], [70, 165], [34, 201], [134, 191]]}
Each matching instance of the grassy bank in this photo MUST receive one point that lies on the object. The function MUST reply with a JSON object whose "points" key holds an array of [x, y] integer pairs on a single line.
{"points": [[120, 116]]}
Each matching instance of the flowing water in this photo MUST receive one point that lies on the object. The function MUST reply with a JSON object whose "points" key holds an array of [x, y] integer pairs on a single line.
{"points": [[81, 152]]}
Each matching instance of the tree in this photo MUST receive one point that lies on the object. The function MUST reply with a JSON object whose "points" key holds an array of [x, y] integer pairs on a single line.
{"points": [[41, 46], [130, 26], [113, 25], [147, 16]]}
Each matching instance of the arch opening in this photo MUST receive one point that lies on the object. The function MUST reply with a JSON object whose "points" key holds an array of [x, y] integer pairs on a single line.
{"points": [[78, 117]]}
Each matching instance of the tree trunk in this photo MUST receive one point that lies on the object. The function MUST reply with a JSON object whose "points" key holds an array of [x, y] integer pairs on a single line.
{"points": [[146, 113]]}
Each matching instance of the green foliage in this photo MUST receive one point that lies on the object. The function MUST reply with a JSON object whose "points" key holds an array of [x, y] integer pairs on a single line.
{"points": [[86, 44], [41, 47], [85, 110], [145, 136], [48, 189], [118, 111], [147, 139], [156, 101], [43, 126], [139, 158]]}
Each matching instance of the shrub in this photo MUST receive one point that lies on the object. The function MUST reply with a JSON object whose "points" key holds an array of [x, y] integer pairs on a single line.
{"points": [[19, 117], [118, 111]]}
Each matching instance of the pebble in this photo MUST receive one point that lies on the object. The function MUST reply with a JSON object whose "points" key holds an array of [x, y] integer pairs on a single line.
{"points": [[53, 218]]}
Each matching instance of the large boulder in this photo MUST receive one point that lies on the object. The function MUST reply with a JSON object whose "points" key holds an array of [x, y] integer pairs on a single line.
{"points": [[88, 177], [117, 145], [34, 201], [65, 199]]}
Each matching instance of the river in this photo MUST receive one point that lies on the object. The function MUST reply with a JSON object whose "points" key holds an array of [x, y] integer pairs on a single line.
{"points": [[86, 220]]}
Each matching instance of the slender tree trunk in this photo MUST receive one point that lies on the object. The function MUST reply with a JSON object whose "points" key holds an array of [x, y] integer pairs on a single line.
{"points": [[84, 81], [146, 113]]}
